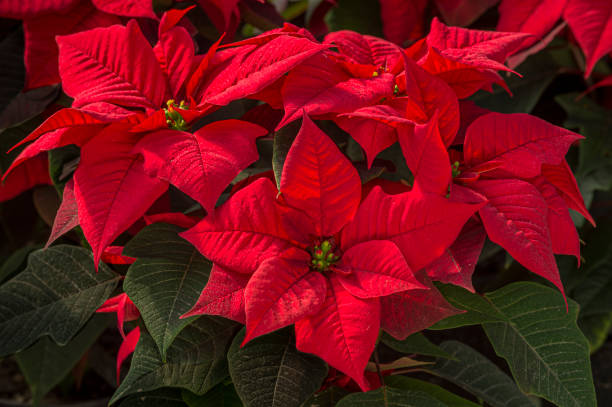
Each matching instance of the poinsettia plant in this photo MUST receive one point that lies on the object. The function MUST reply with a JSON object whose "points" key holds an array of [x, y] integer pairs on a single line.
{"points": [[282, 203]]}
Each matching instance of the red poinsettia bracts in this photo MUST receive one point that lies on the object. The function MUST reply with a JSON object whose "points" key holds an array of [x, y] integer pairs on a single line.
{"points": [[126, 311], [537, 17], [468, 60], [134, 134], [591, 23], [515, 163], [34, 172], [370, 87], [43, 20], [315, 255]]}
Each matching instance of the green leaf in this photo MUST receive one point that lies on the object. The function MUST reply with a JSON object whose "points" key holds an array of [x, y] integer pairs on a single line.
{"points": [[533, 333], [63, 162], [479, 310], [16, 262], [596, 328], [270, 372], [390, 397], [362, 16], [165, 397], [195, 361], [45, 364], [593, 293], [594, 170], [415, 343], [478, 375], [538, 72], [282, 143], [11, 136], [55, 295], [27, 105], [597, 254], [542, 337], [222, 395], [437, 392], [165, 281], [327, 398]]}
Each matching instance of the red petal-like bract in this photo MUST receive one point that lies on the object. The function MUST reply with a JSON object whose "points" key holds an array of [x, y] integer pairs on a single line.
{"points": [[33, 8], [113, 255], [123, 306], [607, 81], [364, 49], [406, 313], [64, 118], [481, 49], [68, 126], [516, 219], [115, 65], [535, 17], [223, 295], [466, 59], [250, 224], [402, 20], [375, 269], [521, 143], [111, 188], [319, 86], [35, 172], [374, 127], [422, 225], [127, 348], [174, 51], [201, 164], [127, 8], [343, 332], [562, 178], [319, 180], [457, 263], [55, 139], [426, 157], [41, 52], [591, 23], [281, 292], [563, 234], [433, 95], [67, 217], [253, 67]]}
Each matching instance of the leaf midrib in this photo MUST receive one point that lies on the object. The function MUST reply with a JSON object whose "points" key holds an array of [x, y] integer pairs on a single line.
{"points": [[514, 329]]}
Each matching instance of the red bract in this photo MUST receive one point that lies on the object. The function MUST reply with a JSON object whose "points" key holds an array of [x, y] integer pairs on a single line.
{"points": [[466, 59], [224, 14], [43, 20], [535, 17], [35, 172], [369, 88], [402, 20], [462, 12], [516, 164], [121, 114], [361, 74], [320, 258], [420, 96], [591, 23], [126, 311]]}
